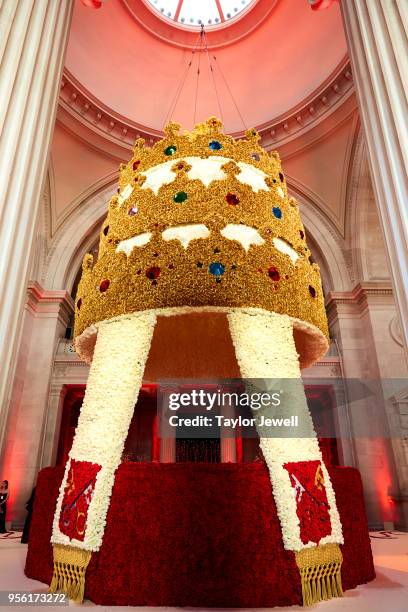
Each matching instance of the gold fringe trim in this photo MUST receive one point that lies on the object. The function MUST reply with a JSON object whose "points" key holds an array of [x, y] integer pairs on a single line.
{"points": [[70, 565], [320, 572]]}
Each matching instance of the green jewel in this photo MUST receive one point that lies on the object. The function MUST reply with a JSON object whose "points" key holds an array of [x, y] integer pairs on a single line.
{"points": [[170, 150], [180, 196]]}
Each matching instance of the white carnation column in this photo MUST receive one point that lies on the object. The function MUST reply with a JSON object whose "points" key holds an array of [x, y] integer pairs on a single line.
{"points": [[114, 381], [33, 37], [376, 32], [267, 357]]}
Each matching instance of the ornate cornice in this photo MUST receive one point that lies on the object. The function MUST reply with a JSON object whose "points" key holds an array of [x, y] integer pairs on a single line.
{"points": [[104, 122], [310, 112], [360, 295], [42, 301]]}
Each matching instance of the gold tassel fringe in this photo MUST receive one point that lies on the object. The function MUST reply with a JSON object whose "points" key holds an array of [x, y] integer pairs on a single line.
{"points": [[70, 565], [320, 572]]}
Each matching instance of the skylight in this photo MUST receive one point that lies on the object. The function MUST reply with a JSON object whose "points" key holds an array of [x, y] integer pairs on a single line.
{"points": [[193, 13]]}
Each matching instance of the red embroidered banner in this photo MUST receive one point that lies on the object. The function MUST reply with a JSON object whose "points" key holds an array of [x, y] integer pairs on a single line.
{"points": [[312, 507], [77, 497]]}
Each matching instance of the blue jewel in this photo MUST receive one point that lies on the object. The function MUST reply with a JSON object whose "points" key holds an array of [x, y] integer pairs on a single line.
{"points": [[215, 145], [216, 268], [277, 212]]}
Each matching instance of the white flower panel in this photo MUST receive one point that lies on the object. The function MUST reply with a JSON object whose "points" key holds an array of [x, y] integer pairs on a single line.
{"points": [[127, 246], [245, 235], [186, 233]]}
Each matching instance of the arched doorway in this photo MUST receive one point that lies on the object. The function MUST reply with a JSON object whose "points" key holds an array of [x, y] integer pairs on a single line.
{"points": [[143, 441]]}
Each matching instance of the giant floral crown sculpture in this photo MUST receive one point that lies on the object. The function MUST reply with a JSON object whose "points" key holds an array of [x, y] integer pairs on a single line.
{"points": [[201, 222], [201, 219]]}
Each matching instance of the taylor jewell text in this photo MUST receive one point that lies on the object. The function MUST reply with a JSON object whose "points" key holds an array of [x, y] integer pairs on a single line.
{"points": [[232, 422]]}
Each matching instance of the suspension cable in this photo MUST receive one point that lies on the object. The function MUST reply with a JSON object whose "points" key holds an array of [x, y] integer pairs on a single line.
{"points": [[181, 83], [198, 73], [200, 45], [230, 92], [213, 76]]}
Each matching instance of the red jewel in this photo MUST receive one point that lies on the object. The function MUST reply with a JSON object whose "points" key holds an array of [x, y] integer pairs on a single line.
{"points": [[136, 164], [273, 273], [312, 291], [302, 235], [232, 199], [79, 303], [180, 166], [153, 272], [104, 285]]}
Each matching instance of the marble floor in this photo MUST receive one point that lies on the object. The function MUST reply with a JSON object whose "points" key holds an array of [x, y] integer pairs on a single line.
{"points": [[388, 592]]}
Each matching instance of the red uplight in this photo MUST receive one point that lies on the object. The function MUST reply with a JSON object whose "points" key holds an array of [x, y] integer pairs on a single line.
{"points": [[95, 4], [317, 5]]}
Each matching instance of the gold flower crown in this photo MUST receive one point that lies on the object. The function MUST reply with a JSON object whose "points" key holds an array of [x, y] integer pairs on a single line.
{"points": [[202, 220]]}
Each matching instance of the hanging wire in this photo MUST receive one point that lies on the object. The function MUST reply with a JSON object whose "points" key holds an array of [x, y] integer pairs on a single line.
{"points": [[181, 83], [213, 76], [198, 72], [230, 92], [200, 45]]}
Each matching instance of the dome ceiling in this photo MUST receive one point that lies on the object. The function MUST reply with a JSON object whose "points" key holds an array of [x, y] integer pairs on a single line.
{"points": [[271, 59]]}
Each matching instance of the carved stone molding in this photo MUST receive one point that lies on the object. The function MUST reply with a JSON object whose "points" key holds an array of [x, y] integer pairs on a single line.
{"points": [[357, 300], [320, 104], [104, 122], [396, 331], [43, 302]]}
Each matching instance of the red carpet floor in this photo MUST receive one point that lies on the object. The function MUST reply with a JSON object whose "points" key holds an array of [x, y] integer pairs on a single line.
{"points": [[204, 535]]}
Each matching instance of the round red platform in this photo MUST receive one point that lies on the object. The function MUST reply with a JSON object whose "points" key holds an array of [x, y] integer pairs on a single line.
{"points": [[204, 535]]}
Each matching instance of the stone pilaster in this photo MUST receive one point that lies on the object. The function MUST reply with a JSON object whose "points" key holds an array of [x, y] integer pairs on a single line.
{"points": [[33, 37], [45, 319], [168, 450], [360, 321], [228, 441], [376, 33]]}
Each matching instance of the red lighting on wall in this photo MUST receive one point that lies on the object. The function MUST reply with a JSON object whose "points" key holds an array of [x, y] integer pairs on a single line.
{"points": [[317, 5], [95, 4]]}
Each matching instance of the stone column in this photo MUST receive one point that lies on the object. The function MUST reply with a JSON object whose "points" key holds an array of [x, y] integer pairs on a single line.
{"points": [[168, 450], [227, 436], [167, 434], [377, 40], [45, 320], [33, 37]]}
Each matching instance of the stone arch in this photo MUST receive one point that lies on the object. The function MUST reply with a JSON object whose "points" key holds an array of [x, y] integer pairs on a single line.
{"points": [[325, 242], [369, 256], [76, 236]]}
